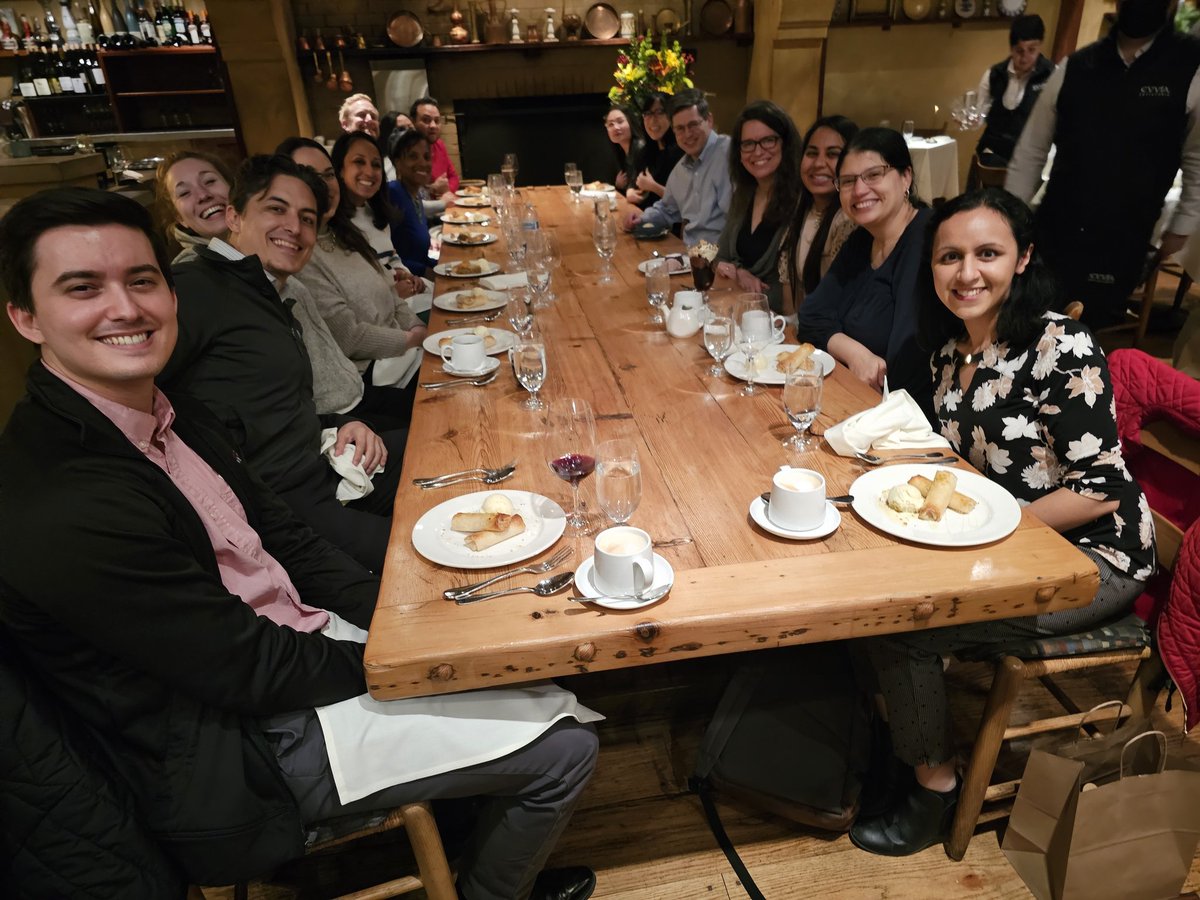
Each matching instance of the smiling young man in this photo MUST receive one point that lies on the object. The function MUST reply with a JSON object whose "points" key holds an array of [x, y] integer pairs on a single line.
{"points": [[207, 644], [428, 119], [241, 352], [698, 189]]}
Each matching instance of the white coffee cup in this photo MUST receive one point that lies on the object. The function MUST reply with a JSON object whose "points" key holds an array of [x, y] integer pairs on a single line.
{"points": [[464, 353], [797, 499], [624, 560], [762, 326]]}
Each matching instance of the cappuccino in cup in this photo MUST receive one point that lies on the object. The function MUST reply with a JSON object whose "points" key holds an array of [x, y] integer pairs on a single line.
{"points": [[623, 562], [797, 499]]}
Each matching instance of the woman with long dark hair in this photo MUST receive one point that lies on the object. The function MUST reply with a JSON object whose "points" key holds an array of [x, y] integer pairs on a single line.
{"points": [[1024, 394], [358, 163], [627, 141], [820, 226], [658, 155], [408, 150], [764, 169], [864, 311]]}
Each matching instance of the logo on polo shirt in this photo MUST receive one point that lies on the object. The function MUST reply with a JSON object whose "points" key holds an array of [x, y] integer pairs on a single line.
{"points": [[1101, 278], [1154, 90]]}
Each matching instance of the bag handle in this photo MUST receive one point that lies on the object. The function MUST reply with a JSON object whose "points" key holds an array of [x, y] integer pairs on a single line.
{"points": [[1093, 733], [1162, 749]]}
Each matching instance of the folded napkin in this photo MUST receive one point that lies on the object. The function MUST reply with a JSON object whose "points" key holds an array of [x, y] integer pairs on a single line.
{"points": [[897, 423], [503, 282], [423, 301], [355, 483], [397, 371]]}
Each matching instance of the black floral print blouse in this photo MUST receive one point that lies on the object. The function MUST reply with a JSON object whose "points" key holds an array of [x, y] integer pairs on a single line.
{"points": [[1042, 418]]}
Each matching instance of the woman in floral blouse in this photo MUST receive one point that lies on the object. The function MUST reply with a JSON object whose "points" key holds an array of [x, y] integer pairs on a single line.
{"points": [[1025, 395]]}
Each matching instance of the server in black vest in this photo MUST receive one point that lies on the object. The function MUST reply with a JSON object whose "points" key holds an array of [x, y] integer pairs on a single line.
{"points": [[1010, 88], [1122, 113]]}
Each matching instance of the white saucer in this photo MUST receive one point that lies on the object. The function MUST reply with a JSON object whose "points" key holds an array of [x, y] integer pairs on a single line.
{"points": [[489, 365], [663, 574], [758, 512]]}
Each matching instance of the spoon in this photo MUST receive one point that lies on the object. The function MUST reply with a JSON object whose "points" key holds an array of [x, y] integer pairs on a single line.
{"points": [[938, 458], [543, 588], [647, 596], [486, 478], [482, 470], [482, 317], [478, 381], [841, 499]]}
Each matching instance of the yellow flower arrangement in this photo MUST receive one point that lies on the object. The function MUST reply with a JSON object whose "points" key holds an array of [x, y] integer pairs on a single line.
{"points": [[644, 69]]}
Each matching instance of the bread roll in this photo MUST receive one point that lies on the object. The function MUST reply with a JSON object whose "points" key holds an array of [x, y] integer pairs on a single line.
{"points": [[488, 341], [796, 360], [960, 502], [479, 521], [938, 498], [481, 540]]}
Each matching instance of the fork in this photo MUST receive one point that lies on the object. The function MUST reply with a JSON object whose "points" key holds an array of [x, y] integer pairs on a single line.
{"points": [[481, 317], [482, 470], [541, 568]]}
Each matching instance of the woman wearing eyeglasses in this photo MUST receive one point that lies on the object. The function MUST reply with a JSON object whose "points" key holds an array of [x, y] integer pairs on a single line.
{"points": [[864, 311], [658, 155], [764, 167]]}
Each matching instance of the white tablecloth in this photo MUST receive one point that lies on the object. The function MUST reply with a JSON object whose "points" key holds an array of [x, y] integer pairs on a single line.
{"points": [[935, 166]]}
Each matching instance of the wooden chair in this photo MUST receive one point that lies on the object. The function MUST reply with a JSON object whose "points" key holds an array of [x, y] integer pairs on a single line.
{"points": [[1073, 310], [434, 871], [985, 176], [1127, 641]]}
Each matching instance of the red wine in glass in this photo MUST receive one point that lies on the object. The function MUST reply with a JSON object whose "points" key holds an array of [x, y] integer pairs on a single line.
{"points": [[573, 467]]}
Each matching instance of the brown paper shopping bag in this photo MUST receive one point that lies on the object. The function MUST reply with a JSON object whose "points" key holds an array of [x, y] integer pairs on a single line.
{"points": [[1133, 839]]}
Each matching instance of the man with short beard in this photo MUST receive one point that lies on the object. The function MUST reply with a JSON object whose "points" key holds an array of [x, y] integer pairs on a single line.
{"points": [[428, 120]]}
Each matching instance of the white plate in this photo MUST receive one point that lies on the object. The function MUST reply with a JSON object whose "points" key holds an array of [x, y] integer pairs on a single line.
{"points": [[995, 516], [597, 189], [675, 258], [736, 366], [433, 539], [758, 512], [490, 268], [663, 575], [449, 301], [465, 217], [504, 340], [470, 200], [491, 364], [451, 237]]}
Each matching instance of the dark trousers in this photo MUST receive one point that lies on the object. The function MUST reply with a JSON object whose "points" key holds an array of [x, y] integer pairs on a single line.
{"points": [[360, 528], [528, 795]]}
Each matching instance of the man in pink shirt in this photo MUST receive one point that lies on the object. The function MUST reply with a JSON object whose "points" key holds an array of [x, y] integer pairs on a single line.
{"points": [[428, 119], [174, 608]]}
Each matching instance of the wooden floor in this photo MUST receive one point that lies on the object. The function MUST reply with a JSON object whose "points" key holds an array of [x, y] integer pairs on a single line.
{"points": [[647, 839]]}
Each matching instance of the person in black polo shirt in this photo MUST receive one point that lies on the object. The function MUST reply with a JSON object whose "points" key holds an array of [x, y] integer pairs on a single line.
{"points": [[1010, 88], [1122, 113]]}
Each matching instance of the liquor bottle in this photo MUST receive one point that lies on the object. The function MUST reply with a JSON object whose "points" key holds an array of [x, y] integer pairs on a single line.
{"points": [[8, 40], [193, 27], [70, 29], [179, 21], [28, 41], [206, 34], [55, 38]]}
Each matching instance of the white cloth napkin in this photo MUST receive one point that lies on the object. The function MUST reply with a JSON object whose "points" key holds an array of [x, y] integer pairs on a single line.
{"points": [[503, 282], [397, 371], [897, 423], [419, 303], [355, 483]]}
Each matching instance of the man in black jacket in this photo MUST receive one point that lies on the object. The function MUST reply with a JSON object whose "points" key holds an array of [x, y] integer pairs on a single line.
{"points": [[175, 610], [1010, 88], [240, 352]]}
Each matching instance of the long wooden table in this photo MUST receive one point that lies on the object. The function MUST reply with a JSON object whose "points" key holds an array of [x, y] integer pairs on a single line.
{"points": [[706, 453]]}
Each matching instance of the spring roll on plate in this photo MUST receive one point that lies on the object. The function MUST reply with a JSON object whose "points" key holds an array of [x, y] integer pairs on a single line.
{"points": [[938, 498]]}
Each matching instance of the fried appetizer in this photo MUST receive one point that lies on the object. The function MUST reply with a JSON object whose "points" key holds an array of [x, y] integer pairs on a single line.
{"points": [[479, 521], [959, 502], [481, 540], [470, 267], [472, 299], [796, 360], [938, 498]]}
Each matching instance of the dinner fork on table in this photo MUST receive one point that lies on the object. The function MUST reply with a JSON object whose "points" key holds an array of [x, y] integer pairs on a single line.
{"points": [[560, 557]]}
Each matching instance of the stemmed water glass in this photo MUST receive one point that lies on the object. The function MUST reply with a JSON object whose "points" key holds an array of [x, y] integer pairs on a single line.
{"points": [[496, 185], [574, 180], [658, 287], [518, 310], [570, 448], [529, 365], [618, 479], [718, 334], [753, 313], [802, 402], [604, 235], [537, 273], [514, 238], [508, 168]]}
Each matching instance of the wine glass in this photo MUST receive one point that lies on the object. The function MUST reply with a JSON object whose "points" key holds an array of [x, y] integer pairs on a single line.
{"points": [[569, 170], [553, 256], [570, 445], [802, 402], [618, 479], [529, 365], [604, 235], [575, 183], [908, 129], [518, 309], [508, 168], [718, 334], [754, 333], [658, 286], [537, 272], [514, 238]]}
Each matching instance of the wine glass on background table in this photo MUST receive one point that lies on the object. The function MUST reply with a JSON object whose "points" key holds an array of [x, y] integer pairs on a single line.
{"points": [[570, 451], [658, 288], [801, 402], [570, 173], [754, 333], [508, 168], [496, 185], [575, 183], [618, 479], [604, 236], [529, 366]]}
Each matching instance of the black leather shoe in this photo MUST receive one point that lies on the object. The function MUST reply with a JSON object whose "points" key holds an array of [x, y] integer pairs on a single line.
{"points": [[919, 821], [569, 883]]}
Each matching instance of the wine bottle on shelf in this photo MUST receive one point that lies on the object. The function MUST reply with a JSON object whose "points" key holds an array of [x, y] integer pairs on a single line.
{"points": [[8, 40], [52, 73], [206, 34], [146, 28], [93, 14], [83, 24], [179, 21], [132, 27], [70, 29], [160, 31], [25, 78], [28, 41], [120, 39], [96, 71], [193, 28], [41, 78], [53, 36]]}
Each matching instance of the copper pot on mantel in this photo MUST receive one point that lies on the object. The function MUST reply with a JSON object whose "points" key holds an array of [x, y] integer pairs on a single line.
{"points": [[458, 32], [572, 24]]}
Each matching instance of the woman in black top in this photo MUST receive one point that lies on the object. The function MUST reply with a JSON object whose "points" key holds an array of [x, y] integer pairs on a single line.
{"points": [[627, 144], [764, 168], [658, 155], [1025, 394]]}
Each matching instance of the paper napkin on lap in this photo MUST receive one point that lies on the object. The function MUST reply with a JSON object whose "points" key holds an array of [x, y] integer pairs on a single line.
{"points": [[355, 483], [897, 423], [503, 282]]}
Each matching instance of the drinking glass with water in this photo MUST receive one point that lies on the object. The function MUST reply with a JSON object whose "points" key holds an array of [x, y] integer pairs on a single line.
{"points": [[618, 479]]}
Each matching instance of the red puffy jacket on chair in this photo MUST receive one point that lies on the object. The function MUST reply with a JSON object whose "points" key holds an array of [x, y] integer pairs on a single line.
{"points": [[1146, 390]]}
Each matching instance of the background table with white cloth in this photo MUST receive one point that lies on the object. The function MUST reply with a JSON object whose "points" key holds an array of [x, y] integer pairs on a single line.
{"points": [[935, 166]]}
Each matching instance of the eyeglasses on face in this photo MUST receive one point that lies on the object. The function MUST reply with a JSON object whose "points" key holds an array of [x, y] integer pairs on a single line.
{"points": [[656, 113], [691, 127], [768, 143], [870, 177]]}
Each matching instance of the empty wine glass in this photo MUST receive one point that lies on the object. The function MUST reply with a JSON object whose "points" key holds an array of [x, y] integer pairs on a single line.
{"points": [[802, 402], [754, 333], [658, 287], [575, 183], [518, 309], [529, 365], [508, 168], [495, 185], [514, 238], [618, 479], [568, 171], [718, 335], [553, 256], [604, 235], [570, 451], [537, 272]]}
